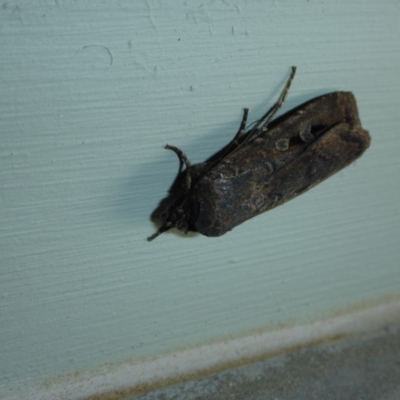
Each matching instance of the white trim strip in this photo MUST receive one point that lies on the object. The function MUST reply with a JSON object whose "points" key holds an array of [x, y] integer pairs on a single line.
{"points": [[126, 379]]}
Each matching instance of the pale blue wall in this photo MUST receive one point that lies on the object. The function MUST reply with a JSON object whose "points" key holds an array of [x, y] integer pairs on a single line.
{"points": [[90, 94]]}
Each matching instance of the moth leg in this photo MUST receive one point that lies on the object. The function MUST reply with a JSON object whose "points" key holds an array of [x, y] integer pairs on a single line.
{"points": [[235, 141], [281, 100], [163, 229], [183, 159], [180, 154], [242, 126], [270, 114]]}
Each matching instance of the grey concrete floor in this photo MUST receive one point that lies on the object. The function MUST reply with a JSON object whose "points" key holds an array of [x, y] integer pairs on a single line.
{"points": [[362, 368]]}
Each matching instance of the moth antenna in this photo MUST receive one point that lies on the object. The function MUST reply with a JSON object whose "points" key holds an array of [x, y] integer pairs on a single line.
{"points": [[163, 229], [182, 158]]}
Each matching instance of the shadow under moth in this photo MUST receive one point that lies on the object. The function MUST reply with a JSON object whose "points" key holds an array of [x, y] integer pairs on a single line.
{"points": [[264, 166]]}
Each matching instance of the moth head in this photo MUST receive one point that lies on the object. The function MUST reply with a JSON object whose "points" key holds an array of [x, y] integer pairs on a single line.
{"points": [[176, 216]]}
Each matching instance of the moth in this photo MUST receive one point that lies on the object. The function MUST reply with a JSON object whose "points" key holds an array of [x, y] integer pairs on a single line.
{"points": [[266, 165]]}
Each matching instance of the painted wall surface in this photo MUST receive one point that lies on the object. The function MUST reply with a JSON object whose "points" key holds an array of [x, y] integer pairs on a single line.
{"points": [[90, 94]]}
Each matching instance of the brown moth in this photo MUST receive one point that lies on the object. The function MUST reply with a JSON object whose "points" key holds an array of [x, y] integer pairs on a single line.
{"points": [[266, 165]]}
